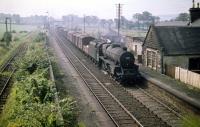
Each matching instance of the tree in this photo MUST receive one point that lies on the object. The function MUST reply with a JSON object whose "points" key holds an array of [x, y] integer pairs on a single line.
{"points": [[124, 22], [137, 17], [145, 19], [103, 22], [110, 22], [16, 18], [156, 19], [94, 20], [7, 37], [147, 16], [183, 17]]}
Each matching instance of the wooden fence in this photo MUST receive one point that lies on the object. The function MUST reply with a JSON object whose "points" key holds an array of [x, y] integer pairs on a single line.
{"points": [[170, 70], [187, 77]]}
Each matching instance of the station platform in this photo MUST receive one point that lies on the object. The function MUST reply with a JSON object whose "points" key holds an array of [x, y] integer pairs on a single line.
{"points": [[185, 92]]}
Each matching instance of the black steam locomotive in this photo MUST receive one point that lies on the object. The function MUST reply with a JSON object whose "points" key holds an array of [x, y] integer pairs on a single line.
{"points": [[111, 57]]}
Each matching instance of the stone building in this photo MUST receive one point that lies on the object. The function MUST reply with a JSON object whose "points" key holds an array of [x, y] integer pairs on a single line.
{"points": [[177, 45], [134, 44]]}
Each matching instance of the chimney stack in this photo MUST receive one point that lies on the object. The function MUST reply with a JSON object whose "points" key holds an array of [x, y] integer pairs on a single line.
{"points": [[194, 12], [193, 2]]}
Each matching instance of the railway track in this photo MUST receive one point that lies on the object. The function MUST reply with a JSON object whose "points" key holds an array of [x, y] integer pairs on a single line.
{"points": [[5, 80], [116, 111], [148, 110]]}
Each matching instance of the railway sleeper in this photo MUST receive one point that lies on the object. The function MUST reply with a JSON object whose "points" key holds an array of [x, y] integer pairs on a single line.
{"points": [[130, 125], [107, 103], [170, 121], [119, 112], [98, 90], [152, 103], [99, 93], [160, 111], [154, 122], [126, 121], [104, 96], [145, 115], [168, 116], [143, 98]]}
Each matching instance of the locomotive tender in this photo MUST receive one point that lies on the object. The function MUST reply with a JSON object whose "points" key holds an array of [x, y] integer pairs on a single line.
{"points": [[111, 57]]}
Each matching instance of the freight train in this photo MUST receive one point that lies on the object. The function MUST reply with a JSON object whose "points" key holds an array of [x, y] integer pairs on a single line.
{"points": [[110, 57]]}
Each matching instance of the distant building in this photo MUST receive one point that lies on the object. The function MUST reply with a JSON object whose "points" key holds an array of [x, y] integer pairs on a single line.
{"points": [[134, 44], [173, 44]]}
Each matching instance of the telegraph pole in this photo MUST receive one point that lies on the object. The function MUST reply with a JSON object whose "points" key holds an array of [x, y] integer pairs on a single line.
{"points": [[72, 20], [84, 23], [119, 12], [10, 24], [6, 25], [6, 22]]}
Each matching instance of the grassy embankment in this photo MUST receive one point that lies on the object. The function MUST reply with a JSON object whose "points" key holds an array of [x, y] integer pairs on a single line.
{"points": [[31, 102]]}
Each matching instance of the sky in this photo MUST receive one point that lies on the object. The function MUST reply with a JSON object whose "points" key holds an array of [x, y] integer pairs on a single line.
{"points": [[101, 8]]}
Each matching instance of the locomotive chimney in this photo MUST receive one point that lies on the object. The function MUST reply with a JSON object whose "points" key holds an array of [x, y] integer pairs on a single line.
{"points": [[194, 12]]}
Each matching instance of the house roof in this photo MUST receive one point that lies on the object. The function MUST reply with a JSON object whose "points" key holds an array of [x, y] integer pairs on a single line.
{"points": [[138, 39], [178, 40], [141, 39], [196, 23], [172, 23]]}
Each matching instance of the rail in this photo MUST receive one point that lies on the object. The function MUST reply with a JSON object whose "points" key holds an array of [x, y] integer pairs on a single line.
{"points": [[168, 115], [5, 81], [86, 70]]}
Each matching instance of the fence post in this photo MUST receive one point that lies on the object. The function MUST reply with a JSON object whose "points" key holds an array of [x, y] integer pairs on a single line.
{"points": [[179, 73]]}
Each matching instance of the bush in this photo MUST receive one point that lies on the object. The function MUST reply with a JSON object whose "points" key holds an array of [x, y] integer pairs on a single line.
{"points": [[7, 37], [40, 37], [31, 102], [16, 39], [23, 31], [14, 31]]}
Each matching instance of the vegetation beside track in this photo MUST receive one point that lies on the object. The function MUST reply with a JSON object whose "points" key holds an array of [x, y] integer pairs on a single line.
{"points": [[194, 121], [6, 52], [19, 32], [70, 119], [31, 101]]}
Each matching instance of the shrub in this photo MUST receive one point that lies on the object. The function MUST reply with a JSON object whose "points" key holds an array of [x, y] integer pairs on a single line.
{"points": [[7, 37], [16, 39], [31, 102], [40, 37], [13, 31]]}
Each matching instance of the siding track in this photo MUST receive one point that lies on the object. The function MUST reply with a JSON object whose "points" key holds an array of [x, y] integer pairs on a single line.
{"points": [[5, 80]]}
